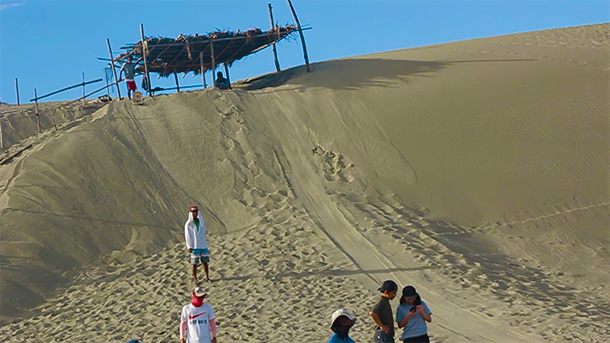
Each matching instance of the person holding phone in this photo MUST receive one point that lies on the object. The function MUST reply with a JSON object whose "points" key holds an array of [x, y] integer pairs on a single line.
{"points": [[412, 315]]}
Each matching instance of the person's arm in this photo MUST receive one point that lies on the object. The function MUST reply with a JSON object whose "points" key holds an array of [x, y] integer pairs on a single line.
{"points": [[377, 321], [183, 327], [187, 237], [121, 72], [213, 329], [403, 322], [427, 316], [212, 321]]}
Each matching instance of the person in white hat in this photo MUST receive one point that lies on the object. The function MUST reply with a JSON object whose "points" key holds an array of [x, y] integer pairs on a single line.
{"points": [[198, 320], [341, 322]]}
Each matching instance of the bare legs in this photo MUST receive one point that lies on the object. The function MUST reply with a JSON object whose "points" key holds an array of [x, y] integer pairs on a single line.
{"points": [[205, 269]]}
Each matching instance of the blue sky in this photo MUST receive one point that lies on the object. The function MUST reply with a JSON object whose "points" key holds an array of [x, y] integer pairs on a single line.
{"points": [[49, 44]]}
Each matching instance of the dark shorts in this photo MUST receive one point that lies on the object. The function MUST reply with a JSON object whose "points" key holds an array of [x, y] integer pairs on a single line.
{"points": [[418, 339], [382, 337], [131, 85], [198, 258]]}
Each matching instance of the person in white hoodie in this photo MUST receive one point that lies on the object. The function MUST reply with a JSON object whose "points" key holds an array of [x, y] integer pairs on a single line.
{"points": [[195, 233]]}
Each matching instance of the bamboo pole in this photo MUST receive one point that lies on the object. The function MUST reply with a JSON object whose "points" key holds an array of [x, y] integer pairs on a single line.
{"points": [[106, 78], [1, 138], [37, 111], [176, 78], [294, 14], [213, 62], [277, 63], [202, 70], [17, 90], [116, 80], [66, 88], [227, 72], [144, 56], [83, 90]]}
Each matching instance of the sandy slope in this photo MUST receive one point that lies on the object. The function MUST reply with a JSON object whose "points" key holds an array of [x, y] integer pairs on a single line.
{"points": [[476, 171]]}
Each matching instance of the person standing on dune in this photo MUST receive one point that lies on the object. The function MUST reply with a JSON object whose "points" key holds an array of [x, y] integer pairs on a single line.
{"points": [[195, 234], [412, 315], [382, 313], [130, 70], [198, 320]]}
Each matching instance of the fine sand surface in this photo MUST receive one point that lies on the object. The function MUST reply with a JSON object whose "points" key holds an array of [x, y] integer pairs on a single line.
{"points": [[477, 171]]}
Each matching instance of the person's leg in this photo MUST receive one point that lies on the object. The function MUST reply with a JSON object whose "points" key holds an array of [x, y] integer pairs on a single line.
{"points": [[205, 260], [194, 263], [195, 273], [207, 271]]}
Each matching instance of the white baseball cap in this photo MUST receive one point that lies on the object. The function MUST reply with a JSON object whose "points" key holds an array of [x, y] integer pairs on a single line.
{"points": [[342, 312], [199, 292]]}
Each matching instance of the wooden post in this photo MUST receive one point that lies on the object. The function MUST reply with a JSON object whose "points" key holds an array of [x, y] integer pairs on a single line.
{"points": [[84, 90], [54, 125], [201, 69], [1, 140], [116, 79], [294, 14], [227, 72], [144, 56], [107, 88], [17, 91], [177, 84], [37, 112], [277, 63], [213, 62]]}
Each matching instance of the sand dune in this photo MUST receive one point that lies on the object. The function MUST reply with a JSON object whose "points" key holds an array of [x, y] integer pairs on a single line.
{"points": [[476, 171]]}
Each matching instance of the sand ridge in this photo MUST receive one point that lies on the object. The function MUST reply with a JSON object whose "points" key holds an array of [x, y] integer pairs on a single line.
{"points": [[476, 171]]}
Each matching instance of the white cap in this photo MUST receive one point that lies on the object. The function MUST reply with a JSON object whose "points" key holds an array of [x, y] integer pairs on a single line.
{"points": [[341, 312], [199, 292]]}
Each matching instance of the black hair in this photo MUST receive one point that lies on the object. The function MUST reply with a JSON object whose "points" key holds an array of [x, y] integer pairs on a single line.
{"points": [[415, 303]]}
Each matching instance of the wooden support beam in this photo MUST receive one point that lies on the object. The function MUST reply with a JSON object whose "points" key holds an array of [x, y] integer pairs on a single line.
{"points": [[37, 111], [144, 46], [65, 89], [177, 84], [17, 91], [84, 90], [213, 62], [227, 76], [202, 69], [294, 14], [116, 80], [277, 63]]}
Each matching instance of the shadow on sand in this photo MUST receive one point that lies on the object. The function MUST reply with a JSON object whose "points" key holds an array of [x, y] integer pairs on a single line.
{"points": [[351, 74]]}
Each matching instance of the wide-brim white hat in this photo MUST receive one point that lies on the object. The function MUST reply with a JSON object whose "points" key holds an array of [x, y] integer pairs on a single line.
{"points": [[342, 312]]}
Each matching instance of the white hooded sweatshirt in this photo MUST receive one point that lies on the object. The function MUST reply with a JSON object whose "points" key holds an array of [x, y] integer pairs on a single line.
{"points": [[195, 237]]}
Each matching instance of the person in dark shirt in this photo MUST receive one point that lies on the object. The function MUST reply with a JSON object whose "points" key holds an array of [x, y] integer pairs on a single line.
{"points": [[130, 69], [221, 82], [382, 313]]}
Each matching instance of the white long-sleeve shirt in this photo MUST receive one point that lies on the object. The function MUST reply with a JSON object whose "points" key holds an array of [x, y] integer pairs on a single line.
{"points": [[195, 236]]}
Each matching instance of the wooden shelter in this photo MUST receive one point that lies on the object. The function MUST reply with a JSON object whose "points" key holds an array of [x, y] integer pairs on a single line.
{"points": [[198, 53]]}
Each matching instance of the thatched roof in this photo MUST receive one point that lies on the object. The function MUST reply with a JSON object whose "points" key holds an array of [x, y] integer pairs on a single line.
{"points": [[181, 54]]}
